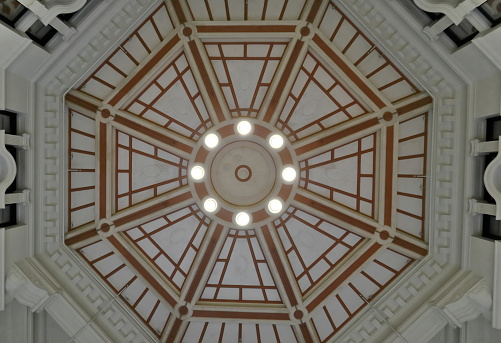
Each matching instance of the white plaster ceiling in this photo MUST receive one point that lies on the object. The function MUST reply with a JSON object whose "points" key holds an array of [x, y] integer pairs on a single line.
{"points": [[356, 126]]}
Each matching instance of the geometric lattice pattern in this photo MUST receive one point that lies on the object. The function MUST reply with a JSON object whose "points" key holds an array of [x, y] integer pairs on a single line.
{"points": [[241, 272], [300, 232], [244, 72], [345, 174], [317, 102], [145, 171], [172, 241], [353, 123]]}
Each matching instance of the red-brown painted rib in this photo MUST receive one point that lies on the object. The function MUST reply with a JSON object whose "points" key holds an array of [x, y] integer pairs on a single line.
{"points": [[205, 261], [144, 70], [245, 28], [103, 144], [414, 106], [179, 11], [272, 107], [159, 289], [388, 182], [313, 11], [348, 71], [337, 136], [174, 331], [344, 276], [152, 209], [279, 265], [410, 246], [81, 237], [334, 213], [206, 80], [306, 333], [153, 134], [241, 315], [82, 103]]}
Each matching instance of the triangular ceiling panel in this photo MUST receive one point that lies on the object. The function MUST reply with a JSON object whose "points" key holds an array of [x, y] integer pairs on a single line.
{"points": [[144, 171], [345, 174], [411, 180], [173, 100], [172, 241], [318, 100], [244, 72], [121, 278], [241, 272], [313, 246]]}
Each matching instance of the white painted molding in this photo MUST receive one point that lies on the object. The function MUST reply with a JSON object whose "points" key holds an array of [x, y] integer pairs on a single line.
{"points": [[8, 169], [475, 301], [483, 148], [26, 291], [2, 269], [49, 10], [456, 10], [492, 181], [496, 301]]}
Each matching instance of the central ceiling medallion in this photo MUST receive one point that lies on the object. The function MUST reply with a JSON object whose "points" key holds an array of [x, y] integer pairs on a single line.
{"points": [[243, 173]]}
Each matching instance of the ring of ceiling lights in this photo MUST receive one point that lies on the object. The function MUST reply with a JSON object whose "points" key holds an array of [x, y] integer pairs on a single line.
{"points": [[239, 174]]}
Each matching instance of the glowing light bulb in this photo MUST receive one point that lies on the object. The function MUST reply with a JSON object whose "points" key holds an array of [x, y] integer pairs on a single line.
{"points": [[275, 206], [211, 140], [242, 218], [197, 172], [244, 127], [289, 174], [210, 205], [276, 141]]}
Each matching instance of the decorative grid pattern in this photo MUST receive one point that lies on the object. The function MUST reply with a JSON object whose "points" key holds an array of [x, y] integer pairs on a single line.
{"points": [[241, 272], [246, 10], [144, 171], [364, 55], [345, 174], [348, 301], [313, 246], [244, 72], [173, 100], [82, 169], [172, 241], [143, 302], [206, 332], [110, 74], [411, 179], [317, 101]]}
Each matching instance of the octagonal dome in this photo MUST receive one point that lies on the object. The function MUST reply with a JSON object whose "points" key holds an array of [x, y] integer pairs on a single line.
{"points": [[354, 128]]}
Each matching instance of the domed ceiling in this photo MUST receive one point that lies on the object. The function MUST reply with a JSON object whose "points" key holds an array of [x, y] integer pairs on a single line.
{"points": [[354, 128]]}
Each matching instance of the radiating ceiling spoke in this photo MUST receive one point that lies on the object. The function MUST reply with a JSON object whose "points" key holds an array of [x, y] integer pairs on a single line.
{"points": [[152, 133], [335, 213], [336, 136], [168, 202], [203, 264], [282, 81]]}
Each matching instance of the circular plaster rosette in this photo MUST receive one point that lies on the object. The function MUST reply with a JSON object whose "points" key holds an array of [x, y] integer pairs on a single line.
{"points": [[243, 174]]}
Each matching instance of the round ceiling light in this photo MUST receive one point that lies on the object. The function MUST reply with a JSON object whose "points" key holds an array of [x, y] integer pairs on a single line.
{"points": [[210, 205], [289, 174], [242, 218], [197, 172], [211, 140], [275, 206], [276, 141], [244, 127]]}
